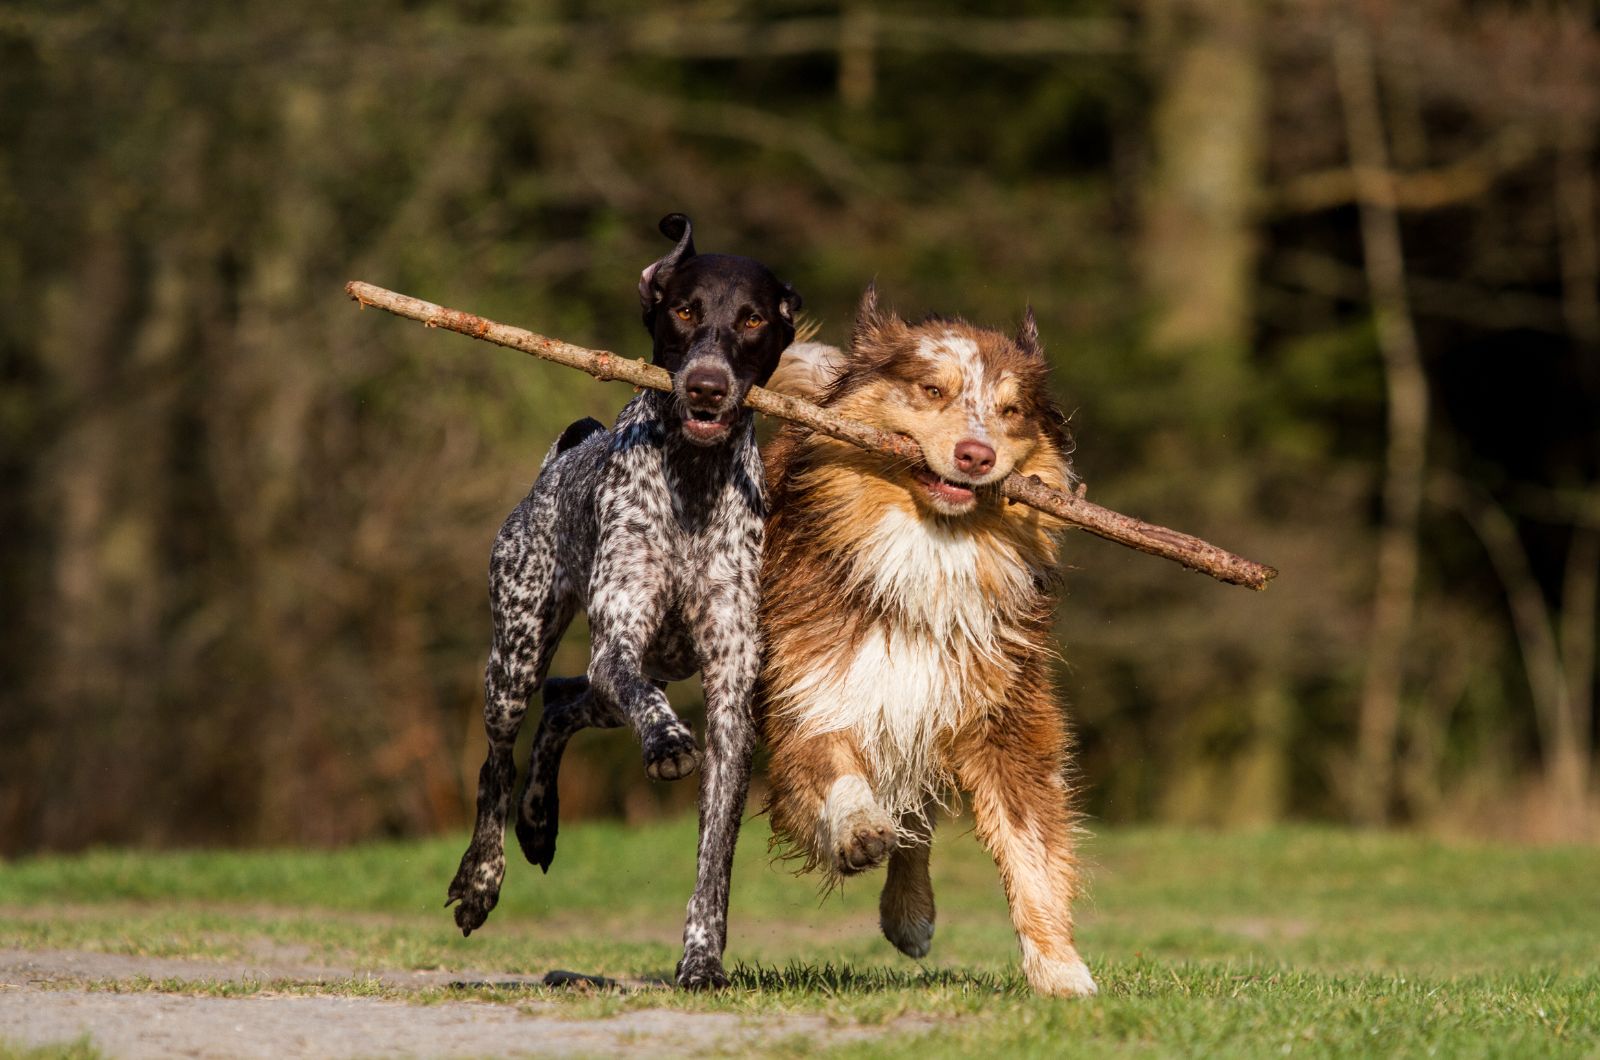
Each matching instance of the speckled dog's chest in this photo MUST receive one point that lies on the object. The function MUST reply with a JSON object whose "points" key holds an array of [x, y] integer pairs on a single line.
{"points": [[693, 529]]}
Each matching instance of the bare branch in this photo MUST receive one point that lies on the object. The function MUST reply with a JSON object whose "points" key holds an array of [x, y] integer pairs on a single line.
{"points": [[674, 37], [1580, 589], [1377, 184], [1576, 215], [1071, 509], [1483, 306], [1560, 706]]}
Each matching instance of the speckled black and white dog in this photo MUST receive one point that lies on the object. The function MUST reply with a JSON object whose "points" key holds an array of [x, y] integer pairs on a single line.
{"points": [[655, 527]]}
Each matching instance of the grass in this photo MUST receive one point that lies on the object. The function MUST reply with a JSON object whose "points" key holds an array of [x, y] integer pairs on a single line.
{"points": [[79, 1049], [1296, 940]]}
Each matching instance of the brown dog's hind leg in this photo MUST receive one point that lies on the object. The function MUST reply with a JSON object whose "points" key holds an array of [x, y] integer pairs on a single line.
{"points": [[905, 908], [1013, 767]]}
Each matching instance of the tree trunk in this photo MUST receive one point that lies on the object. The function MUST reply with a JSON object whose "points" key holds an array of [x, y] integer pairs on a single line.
{"points": [[1199, 246], [1394, 594]]}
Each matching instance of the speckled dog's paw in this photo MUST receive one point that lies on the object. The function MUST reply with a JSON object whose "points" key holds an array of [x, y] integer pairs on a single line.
{"points": [[477, 889], [670, 752], [538, 821], [701, 971]]}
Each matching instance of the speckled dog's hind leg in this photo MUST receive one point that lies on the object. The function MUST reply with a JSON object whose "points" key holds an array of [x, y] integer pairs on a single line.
{"points": [[569, 706], [530, 613]]}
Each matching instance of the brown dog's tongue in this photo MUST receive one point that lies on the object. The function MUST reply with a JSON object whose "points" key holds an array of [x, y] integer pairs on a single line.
{"points": [[950, 491]]}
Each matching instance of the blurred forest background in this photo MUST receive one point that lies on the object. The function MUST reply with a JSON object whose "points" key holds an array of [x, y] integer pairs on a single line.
{"points": [[1320, 280]]}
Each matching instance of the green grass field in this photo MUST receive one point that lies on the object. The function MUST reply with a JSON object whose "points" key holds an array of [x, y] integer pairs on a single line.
{"points": [[1292, 941]]}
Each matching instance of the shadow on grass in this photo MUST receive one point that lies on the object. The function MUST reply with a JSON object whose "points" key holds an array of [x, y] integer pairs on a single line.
{"points": [[829, 978], [559, 979], [795, 977]]}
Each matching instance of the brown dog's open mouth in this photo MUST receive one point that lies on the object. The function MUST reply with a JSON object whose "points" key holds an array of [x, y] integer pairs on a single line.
{"points": [[954, 494], [708, 426]]}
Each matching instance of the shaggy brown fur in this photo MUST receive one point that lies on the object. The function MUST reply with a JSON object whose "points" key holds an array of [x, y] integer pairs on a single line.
{"points": [[906, 612]]}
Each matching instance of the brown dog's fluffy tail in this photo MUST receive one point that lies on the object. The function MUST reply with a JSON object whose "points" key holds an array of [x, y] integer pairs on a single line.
{"points": [[807, 369]]}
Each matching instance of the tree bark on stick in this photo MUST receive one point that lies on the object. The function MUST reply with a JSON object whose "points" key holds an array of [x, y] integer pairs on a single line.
{"points": [[1072, 509]]}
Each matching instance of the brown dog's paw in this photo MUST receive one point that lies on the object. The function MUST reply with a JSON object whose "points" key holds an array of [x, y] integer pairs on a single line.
{"points": [[911, 935], [863, 843], [854, 833], [1062, 974], [905, 913]]}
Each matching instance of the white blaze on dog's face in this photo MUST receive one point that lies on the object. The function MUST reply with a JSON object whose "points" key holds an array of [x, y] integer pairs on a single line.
{"points": [[974, 400]]}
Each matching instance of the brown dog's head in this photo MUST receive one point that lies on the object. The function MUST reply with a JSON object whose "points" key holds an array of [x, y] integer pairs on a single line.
{"points": [[974, 400]]}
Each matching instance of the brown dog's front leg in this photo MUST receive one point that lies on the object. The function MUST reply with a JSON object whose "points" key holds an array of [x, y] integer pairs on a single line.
{"points": [[822, 803], [1013, 767]]}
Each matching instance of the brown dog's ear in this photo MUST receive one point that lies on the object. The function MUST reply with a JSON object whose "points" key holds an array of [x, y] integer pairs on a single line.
{"points": [[874, 324], [674, 226], [1028, 335]]}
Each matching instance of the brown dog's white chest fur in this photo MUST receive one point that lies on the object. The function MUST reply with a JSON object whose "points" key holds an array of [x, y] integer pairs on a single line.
{"points": [[921, 670]]}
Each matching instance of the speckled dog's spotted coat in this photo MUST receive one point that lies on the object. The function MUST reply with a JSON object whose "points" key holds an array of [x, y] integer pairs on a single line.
{"points": [[655, 527]]}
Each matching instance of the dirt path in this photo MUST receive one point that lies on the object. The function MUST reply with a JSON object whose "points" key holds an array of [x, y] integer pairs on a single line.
{"points": [[44, 999]]}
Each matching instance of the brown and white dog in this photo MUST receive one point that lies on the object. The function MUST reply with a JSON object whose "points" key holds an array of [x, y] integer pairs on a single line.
{"points": [[907, 611]]}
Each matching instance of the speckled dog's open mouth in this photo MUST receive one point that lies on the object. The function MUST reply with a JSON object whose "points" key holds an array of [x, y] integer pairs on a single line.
{"points": [[709, 426]]}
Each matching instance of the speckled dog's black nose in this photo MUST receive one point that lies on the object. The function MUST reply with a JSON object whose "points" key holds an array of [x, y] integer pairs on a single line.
{"points": [[706, 386]]}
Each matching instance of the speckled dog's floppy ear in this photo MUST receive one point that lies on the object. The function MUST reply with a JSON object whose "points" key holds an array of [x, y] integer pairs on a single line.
{"points": [[673, 226], [789, 304]]}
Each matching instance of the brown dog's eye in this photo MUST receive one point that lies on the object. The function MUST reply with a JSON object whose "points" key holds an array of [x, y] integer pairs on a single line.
{"points": [[685, 313], [1009, 411], [752, 322], [933, 392]]}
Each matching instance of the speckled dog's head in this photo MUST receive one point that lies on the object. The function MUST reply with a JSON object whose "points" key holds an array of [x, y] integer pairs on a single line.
{"points": [[720, 324]]}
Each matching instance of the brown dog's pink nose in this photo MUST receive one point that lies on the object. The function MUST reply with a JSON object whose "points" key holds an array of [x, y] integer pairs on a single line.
{"points": [[974, 457]]}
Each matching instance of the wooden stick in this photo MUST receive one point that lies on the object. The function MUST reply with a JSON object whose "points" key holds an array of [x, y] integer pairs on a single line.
{"points": [[1072, 509]]}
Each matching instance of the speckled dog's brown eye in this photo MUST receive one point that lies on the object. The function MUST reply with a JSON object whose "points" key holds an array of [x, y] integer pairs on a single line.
{"points": [[933, 392], [685, 313], [753, 321]]}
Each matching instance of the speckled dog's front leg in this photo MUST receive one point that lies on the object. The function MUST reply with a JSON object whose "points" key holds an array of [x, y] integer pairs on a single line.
{"points": [[724, 782], [626, 605], [730, 647]]}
